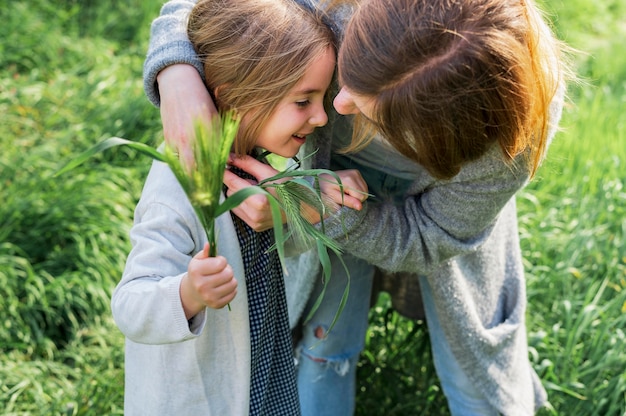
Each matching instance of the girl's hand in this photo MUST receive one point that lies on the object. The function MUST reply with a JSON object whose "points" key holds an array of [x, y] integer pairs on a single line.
{"points": [[184, 101], [255, 210], [354, 188], [209, 281]]}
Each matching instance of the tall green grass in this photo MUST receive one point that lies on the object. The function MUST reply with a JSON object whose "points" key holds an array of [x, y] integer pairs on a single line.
{"points": [[574, 226], [70, 75]]}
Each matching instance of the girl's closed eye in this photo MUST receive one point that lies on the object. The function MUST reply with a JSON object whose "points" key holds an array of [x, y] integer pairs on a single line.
{"points": [[303, 103]]}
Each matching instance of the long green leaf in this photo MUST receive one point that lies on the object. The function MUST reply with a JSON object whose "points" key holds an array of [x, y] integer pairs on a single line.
{"points": [[107, 144], [299, 173], [325, 260], [326, 269], [278, 228], [344, 296], [238, 197]]}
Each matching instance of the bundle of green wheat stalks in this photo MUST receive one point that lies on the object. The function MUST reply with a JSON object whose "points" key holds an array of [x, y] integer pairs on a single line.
{"points": [[202, 181]]}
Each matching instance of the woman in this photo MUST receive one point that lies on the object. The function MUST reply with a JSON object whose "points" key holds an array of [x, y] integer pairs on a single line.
{"points": [[466, 95]]}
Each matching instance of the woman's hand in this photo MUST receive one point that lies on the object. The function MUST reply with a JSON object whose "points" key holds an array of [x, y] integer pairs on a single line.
{"points": [[353, 190], [184, 101]]}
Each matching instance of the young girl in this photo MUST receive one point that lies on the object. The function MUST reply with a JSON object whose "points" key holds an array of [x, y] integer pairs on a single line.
{"points": [[185, 353]]}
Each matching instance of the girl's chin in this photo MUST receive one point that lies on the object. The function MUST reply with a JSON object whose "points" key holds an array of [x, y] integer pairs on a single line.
{"points": [[286, 153]]}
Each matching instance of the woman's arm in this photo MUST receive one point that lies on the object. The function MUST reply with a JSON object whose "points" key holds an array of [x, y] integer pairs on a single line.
{"points": [[173, 77], [439, 220], [169, 45], [184, 102]]}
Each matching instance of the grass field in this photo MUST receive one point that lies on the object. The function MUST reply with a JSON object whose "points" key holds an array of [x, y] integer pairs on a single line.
{"points": [[70, 75]]}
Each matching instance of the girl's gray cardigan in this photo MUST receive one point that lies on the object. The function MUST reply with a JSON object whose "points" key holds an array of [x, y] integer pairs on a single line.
{"points": [[461, 234], [174, 366]]}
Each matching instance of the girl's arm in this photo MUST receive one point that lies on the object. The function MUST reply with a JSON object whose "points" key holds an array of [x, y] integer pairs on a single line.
{"points": [[146, 304]]}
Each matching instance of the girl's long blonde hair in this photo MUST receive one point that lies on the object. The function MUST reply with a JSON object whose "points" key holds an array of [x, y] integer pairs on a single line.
{"points": [[254, 52]]}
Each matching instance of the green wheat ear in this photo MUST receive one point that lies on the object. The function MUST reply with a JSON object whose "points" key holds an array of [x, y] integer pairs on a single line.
{"points": [[292, 192], [203, 177]]}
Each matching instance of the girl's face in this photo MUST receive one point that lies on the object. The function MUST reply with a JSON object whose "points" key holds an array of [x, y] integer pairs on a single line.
{"points": [[300, 111]]}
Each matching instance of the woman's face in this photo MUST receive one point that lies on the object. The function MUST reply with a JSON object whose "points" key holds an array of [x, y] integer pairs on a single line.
{"points": [[346, 102]]}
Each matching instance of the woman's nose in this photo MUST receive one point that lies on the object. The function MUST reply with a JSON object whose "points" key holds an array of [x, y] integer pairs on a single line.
{"points": [[344, 103]]}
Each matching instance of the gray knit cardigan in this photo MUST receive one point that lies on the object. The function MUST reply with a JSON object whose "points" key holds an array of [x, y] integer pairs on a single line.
{"points": [[461, 234]]}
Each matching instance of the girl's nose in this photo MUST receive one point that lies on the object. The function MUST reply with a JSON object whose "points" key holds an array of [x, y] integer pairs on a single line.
{"points": [[319, 117], [344, 103]]}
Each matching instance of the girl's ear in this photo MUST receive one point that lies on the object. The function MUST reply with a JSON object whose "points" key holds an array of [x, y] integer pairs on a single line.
{"points": [[217, 92], [217, 95]]}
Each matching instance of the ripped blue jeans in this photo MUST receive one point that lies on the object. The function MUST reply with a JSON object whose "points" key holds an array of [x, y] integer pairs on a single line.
{"points": [[327, 367]]}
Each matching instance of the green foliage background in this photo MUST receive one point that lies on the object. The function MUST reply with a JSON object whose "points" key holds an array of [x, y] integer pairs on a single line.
{"points": [[70, 76]]}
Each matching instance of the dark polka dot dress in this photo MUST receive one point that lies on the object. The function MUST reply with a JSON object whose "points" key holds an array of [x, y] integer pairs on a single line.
{"points": [[273, 390]]}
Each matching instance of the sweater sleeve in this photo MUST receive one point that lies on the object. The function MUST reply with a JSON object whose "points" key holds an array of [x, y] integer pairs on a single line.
{"points": [[169, 45], [435, 223], [146, 303]]}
